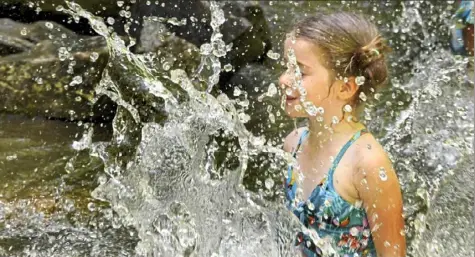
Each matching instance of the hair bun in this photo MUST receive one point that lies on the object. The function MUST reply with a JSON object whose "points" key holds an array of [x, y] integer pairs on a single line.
{"points": [[372, 51], [370, 61]]}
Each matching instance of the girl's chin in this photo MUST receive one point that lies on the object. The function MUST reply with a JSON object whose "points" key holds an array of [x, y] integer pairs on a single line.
{"points": [[292, 113], [295, 115]]}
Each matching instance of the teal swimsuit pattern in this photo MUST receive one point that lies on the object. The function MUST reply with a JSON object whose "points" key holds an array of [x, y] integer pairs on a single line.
{"points": [[462, 18], [330, 215]]}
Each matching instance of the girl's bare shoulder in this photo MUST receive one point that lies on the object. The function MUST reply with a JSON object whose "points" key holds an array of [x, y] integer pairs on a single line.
{"points": [[367, 145], [371, 154], [291, 140]]}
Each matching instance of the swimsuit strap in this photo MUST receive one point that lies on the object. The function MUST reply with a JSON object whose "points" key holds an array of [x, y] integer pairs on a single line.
{"points": [[302, 137], [291, 186], [340, 155]]}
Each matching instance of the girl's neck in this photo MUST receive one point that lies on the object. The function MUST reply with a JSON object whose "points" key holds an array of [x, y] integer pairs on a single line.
{"points": [[322, 133]]}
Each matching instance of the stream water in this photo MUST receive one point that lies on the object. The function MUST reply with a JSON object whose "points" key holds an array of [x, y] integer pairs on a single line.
{"points": [[205, 181]]}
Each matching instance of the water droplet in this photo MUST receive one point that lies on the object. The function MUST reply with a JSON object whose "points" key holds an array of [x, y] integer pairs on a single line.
{"points": [[273, 55], [310, 206], [23, 32], [308, 243], [174, 21], [228, 67], [39, 81], [375, 215], [193, 19], [364, 182], [244, 118], [102, 179], [387, 244], [382, 174], [347, 108], [49, 25], [244, 103], [120, 3], [366, 233], [363, 97], [59, 8], [335, 120], [271, 90], [310, 108], [63, 53], [94, 56], [237, 91], [360, 80], [12, 157], [220, 51], [110, 20], [91, 206], [320, 110], [288, 91], [166, 66], [206, 49], [354, 231], [269, 183], [76, 81], [68, 205]]}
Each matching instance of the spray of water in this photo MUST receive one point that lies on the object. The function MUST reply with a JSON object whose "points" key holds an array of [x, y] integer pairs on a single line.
{"points": [[166, 190], [169, 197]]}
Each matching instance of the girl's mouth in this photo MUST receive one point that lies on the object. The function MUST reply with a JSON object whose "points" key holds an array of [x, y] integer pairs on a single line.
{"points": [[290, 98]]}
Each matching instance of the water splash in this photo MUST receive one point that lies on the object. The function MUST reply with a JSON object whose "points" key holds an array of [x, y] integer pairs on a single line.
{"points": [[211, 52], [165, 191], [175, 159]]}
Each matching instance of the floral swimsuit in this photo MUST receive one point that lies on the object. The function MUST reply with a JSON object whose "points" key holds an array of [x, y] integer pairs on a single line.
{"points": [[327, 213], [462, 18]]}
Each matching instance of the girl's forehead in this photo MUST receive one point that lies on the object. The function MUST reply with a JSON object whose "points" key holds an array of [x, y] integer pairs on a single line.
{"points": [[305, 52]]}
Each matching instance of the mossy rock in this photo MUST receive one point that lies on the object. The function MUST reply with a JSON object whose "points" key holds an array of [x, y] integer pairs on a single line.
{"points": [[54, 71]]}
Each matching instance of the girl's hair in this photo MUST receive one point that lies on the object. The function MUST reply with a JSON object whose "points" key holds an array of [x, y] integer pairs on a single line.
{"points": [[352, 46]]}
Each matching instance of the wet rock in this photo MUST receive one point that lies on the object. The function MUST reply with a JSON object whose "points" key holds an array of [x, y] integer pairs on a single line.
{"points": [[245, 26], [53, 71]]}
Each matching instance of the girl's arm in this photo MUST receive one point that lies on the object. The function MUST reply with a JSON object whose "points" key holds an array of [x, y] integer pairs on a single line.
{"points": [[378, 187]]}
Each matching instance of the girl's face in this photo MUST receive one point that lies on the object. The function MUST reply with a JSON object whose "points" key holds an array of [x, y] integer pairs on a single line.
{"points": [[315, 78]]}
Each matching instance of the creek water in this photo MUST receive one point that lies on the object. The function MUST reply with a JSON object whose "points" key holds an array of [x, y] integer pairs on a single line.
{"points": [[205, 181]]}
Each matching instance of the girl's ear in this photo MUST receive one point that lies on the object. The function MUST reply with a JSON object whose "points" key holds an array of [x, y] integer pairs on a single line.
{"points": [[348, 89]]}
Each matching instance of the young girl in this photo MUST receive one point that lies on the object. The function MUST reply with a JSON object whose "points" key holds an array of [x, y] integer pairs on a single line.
{"points": [[351, 193]]}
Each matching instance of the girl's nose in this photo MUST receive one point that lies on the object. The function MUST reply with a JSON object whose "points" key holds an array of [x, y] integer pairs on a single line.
{"points": [[284, 80]]}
